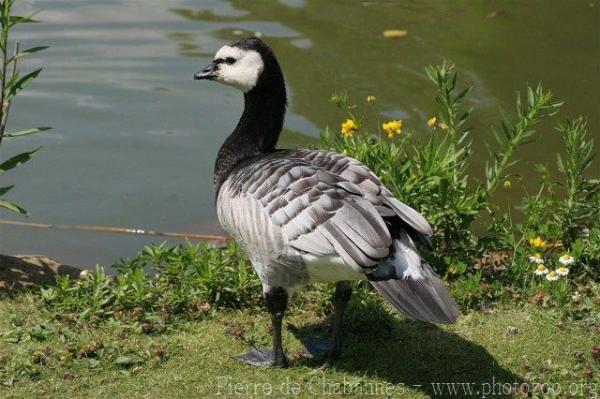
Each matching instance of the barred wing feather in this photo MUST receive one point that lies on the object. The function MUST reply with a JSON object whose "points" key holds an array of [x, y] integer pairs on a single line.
{"points": [[318, 212], [357, 173]]}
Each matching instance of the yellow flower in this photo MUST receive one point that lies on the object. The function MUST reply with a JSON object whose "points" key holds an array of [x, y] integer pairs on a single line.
{"points": [[507, 184], [349, 127], [392, 128], [431, 121], [538, 242], [371, 99], [443, 126]]}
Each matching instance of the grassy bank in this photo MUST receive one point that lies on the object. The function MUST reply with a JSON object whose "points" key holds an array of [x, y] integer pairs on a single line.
{"points": [[384, 354]]}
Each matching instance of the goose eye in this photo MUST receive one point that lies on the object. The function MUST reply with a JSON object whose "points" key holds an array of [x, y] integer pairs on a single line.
{"points": [[230, 60]]}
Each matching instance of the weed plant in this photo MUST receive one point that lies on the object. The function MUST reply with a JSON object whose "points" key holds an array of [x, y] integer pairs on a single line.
{"points": [[12, 82], [552, 254]]}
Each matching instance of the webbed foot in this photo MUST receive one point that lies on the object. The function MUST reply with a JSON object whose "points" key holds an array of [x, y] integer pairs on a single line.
{"points": [[322, 347], [263, 357]]}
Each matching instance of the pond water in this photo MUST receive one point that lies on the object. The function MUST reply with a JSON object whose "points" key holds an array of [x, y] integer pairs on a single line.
{"points": [[134, 138]]}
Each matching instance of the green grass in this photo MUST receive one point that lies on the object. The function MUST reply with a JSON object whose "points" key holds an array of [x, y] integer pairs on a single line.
{"points": [[382, 351]]}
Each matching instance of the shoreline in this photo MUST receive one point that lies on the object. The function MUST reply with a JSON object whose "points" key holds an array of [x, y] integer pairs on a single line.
{"points": [[26, 271]]}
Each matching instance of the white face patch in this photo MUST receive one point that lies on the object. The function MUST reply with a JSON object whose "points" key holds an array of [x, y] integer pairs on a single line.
{"points": [[238, 68]]}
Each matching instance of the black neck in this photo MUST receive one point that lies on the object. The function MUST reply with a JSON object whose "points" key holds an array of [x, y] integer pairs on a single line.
{"points": [[257, 131]]}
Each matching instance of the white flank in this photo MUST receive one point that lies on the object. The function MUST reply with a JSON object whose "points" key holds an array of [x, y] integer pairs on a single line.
{"points": [[329, 269]]}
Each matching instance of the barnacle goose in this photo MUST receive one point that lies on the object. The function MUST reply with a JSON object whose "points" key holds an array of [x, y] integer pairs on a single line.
{"points": [[306, 216]]}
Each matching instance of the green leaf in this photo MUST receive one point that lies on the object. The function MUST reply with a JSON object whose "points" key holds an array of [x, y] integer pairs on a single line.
{"points": [[17, 160], [560, 164], [23, 82], [4, 190], [27, 52], [15, 19], [13, 336], [13, 207], [127, 361], [464, 92], [27, 132]]}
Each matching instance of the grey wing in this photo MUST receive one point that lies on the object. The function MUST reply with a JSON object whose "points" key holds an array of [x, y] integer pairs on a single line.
{"points": [[380, 196], [316, 211]]}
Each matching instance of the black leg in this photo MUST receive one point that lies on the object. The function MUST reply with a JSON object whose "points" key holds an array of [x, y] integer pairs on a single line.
{"points": [[276, 301], [332, 347], [343, 293]]}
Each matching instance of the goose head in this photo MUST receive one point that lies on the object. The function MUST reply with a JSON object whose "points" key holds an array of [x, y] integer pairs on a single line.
{"points": [[250, 66], [243, 64]]}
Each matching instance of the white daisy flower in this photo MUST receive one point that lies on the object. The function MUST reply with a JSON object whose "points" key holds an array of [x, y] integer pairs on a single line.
{"points": [[552, 276], [541, 270], [566, 259], [536, 258], [562, 271]]}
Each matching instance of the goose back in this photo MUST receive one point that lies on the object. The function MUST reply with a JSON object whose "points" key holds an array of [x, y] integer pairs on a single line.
{"points": [[293, 205]]}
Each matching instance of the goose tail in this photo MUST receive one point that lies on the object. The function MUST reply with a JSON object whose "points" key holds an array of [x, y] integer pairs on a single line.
{"points": [[418, 293]]}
